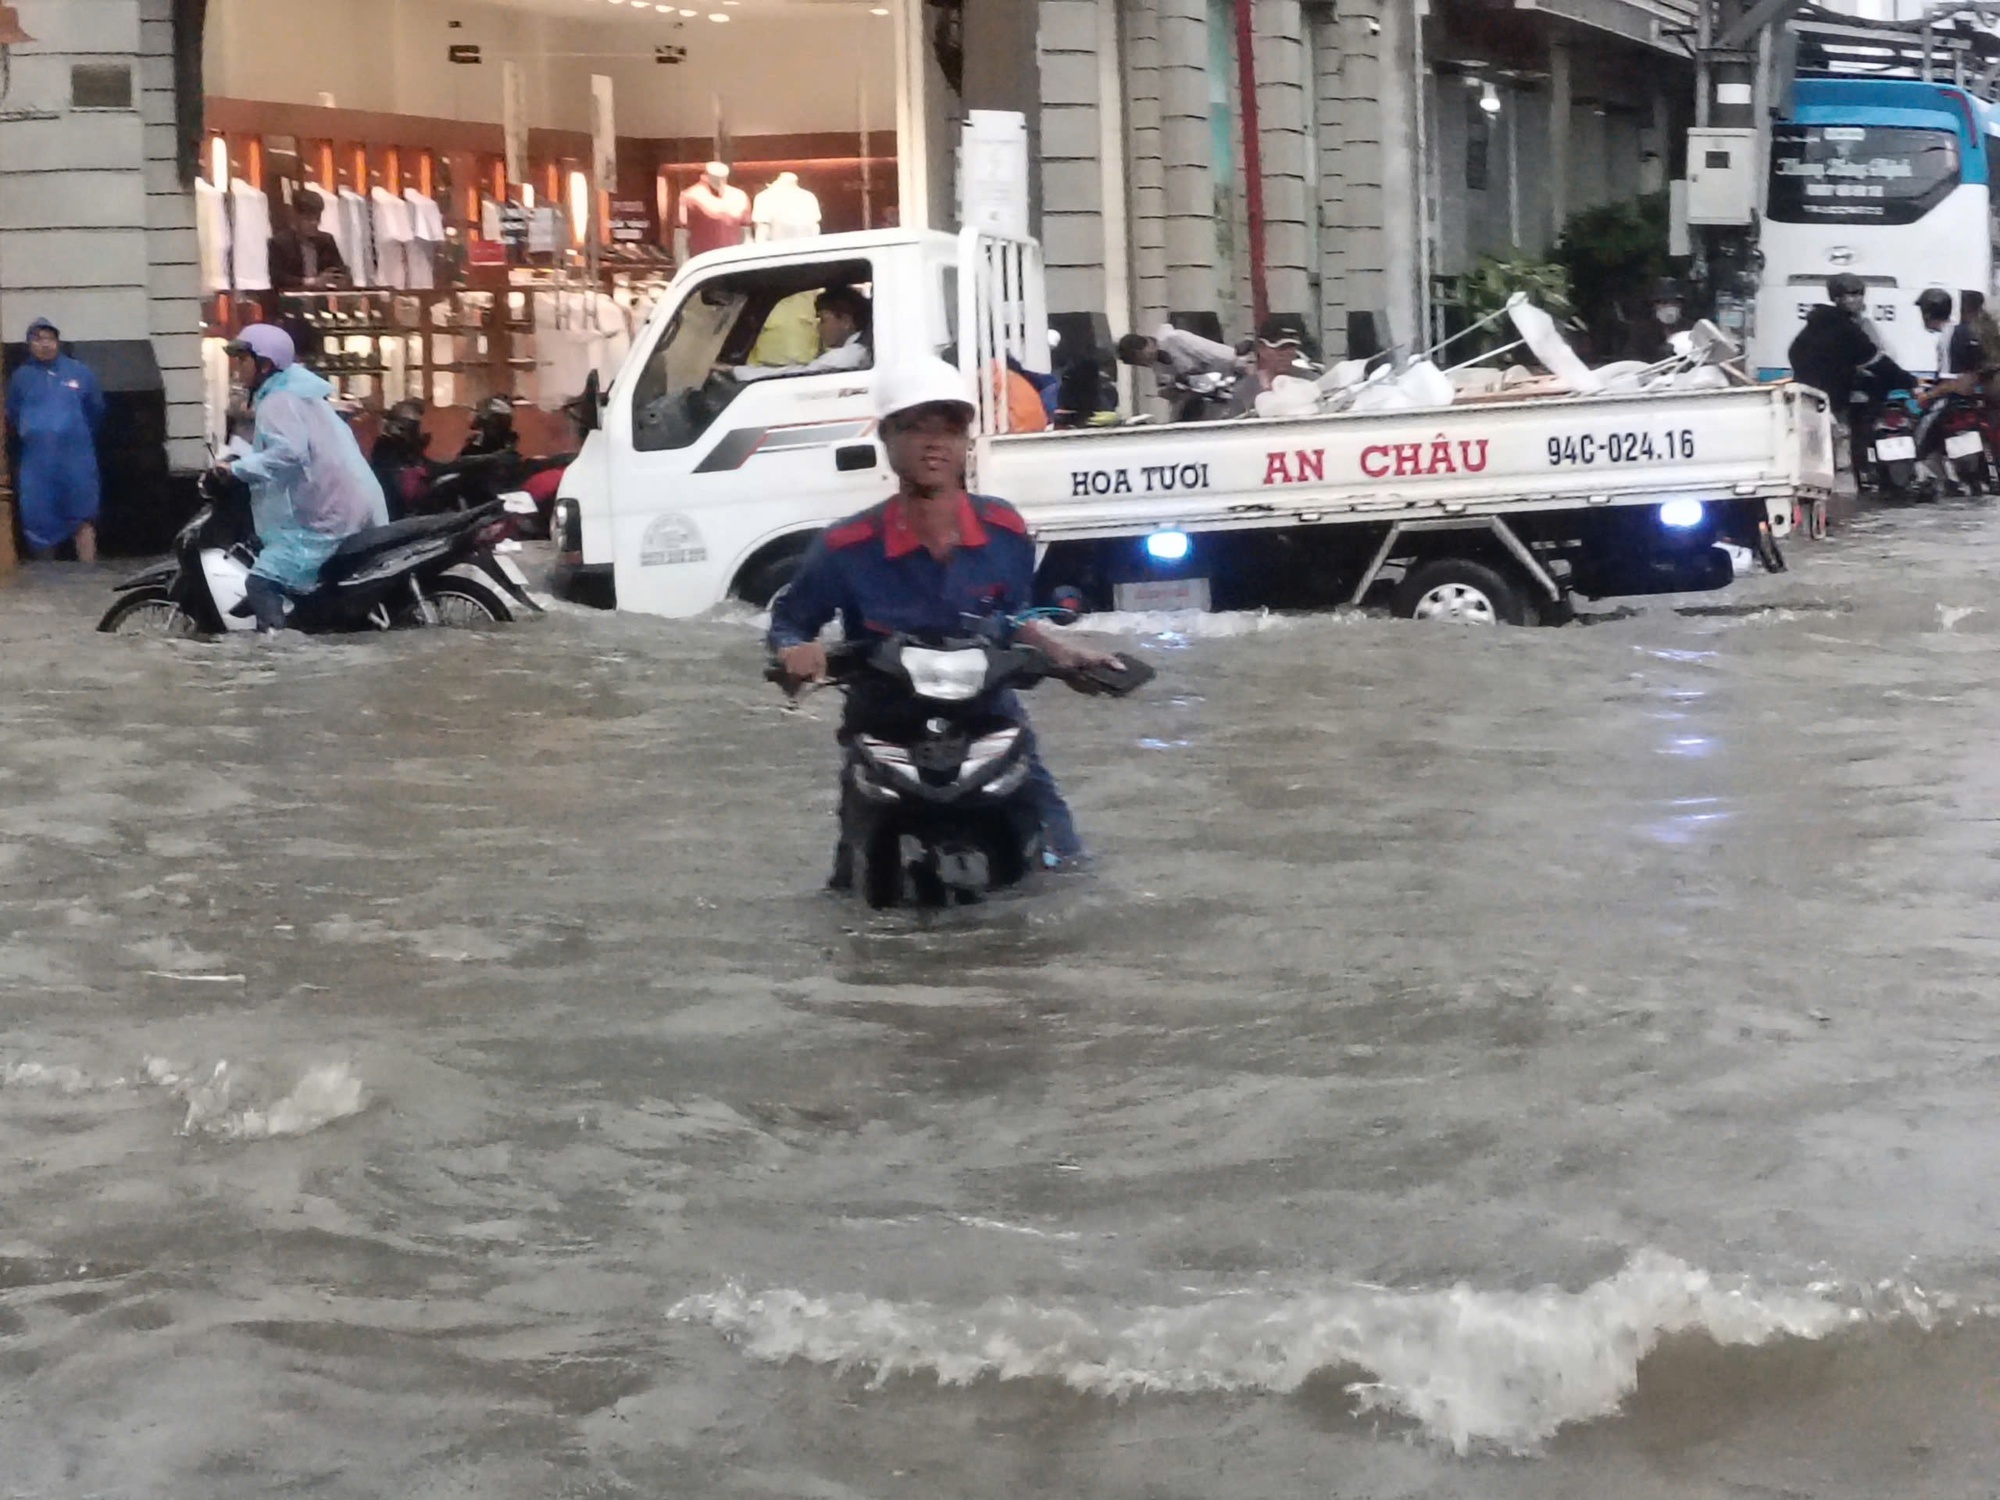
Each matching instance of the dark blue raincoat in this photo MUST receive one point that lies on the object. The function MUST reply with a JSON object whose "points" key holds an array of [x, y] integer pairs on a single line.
{"points": [[55, 409]]}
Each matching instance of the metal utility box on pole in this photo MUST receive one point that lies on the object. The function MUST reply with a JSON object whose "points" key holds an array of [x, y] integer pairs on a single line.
{"points": [[1728, 151]]}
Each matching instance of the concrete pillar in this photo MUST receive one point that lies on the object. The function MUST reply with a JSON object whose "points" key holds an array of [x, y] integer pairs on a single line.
{"points": [[1072, 168], [1285, 111], [1146, 153], [1186, 154], [1561, 129], [1402, 171]]}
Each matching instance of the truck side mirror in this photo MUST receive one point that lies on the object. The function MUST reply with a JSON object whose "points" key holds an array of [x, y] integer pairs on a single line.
{"points": [[589, 408]]}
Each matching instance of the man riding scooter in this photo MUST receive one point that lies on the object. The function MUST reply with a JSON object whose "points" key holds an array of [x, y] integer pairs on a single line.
{"points": [[310, 488], [925, 561]]}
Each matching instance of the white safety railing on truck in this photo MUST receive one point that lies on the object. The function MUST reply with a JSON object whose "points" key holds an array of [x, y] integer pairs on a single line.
{"points": [[1003, 313]]}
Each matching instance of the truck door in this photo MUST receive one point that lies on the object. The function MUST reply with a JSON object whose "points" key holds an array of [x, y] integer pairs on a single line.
{"points": [[741, 428]]}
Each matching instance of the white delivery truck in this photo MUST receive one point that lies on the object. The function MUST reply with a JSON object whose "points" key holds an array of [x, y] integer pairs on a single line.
{"points": [[711, 468]]}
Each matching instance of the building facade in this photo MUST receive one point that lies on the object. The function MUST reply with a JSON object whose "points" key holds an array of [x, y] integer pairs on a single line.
{"points": [[1399, 140], [96, 225]]}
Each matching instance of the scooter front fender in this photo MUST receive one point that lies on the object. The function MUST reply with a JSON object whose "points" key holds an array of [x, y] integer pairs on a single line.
{"points": [[228, 582]]}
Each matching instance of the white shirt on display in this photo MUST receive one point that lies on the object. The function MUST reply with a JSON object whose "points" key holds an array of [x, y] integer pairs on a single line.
{"points": [[251, 251], [785, 210], [211, 218]]}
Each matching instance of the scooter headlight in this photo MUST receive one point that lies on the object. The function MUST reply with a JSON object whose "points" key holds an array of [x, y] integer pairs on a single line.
{"points": [[945, 676]]}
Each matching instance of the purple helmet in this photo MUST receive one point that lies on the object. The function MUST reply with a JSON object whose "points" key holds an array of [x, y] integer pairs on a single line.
{"points": [[266, 341]]}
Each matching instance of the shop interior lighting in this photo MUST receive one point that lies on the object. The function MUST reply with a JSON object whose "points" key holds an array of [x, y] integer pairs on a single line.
{"points": [[218, 156], [716, 15], [1489, 99], [527, 196], [579, 205]]}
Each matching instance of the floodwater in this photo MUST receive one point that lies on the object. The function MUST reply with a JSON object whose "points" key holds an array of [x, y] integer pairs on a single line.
{"points": [[1482, 1064]]}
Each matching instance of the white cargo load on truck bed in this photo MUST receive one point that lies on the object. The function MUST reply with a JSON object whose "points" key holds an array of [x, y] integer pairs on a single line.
{"points": [[703, 485]]}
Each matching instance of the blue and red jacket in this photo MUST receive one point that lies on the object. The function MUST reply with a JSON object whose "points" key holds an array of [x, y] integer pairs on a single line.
{"points": [[872, 572]]}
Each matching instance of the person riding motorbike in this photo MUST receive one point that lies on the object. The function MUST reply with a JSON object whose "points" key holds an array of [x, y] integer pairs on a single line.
{"points": [[1839, 353], [309, 486], [492, 429], [400, 458], [1175, 355], [931, 560]]}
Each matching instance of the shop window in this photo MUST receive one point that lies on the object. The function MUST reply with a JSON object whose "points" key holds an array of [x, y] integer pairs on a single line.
{"points": [[100, 86], [732, 332]]}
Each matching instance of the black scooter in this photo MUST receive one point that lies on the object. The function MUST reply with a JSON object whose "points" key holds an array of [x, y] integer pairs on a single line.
{"points": [[432, 570], [934, 778]]}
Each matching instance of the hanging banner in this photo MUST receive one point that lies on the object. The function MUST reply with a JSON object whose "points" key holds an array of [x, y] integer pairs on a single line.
{"points": [[514, 120], [603, 136]]}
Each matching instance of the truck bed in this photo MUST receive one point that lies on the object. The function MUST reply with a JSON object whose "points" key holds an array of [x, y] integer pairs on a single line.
{"points": [[1548, 453]]}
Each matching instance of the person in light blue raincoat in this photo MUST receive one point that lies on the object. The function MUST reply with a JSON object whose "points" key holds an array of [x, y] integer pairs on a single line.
{"points": [[55, 406], [310, 488]]}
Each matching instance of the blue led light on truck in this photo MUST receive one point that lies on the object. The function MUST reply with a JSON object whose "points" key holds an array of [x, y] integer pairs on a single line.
{"points": [[1682, 514], [1167, 546]]}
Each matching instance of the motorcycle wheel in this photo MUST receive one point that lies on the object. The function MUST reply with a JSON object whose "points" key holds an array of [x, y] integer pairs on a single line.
{"points": [[1898, 475], [1970, 472], [150, 612], [460, 604]]}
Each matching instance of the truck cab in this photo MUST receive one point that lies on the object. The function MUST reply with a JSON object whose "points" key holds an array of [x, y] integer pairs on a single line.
{"points": [[720, 451]]}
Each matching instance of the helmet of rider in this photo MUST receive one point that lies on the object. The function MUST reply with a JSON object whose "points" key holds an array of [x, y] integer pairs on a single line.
{"points": [[1934, 304], [1845, 284], [268, 343], [920, 384], [405, 422]]}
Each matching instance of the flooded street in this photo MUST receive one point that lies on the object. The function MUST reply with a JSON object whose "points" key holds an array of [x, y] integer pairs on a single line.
{"points": [[1505, 1064]]}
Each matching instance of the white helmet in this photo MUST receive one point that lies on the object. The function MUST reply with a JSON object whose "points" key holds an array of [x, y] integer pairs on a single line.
{"points": [[923, 382]]}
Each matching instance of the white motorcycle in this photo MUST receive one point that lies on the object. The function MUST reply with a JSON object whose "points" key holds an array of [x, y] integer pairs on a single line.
{"points": [[430, 570]]}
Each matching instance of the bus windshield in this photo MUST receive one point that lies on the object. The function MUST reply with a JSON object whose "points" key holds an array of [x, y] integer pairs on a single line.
{"points": [[1859, 174]]}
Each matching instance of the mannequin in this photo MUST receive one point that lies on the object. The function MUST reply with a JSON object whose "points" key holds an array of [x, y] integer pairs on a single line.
{"points": [[712, 214], [786, 211]]}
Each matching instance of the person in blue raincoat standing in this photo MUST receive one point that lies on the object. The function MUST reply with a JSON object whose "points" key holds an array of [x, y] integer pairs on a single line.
{"points": [[310, 488], [55, 406]]}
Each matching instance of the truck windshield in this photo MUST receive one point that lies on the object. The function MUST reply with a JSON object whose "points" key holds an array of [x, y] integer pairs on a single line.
{"points": [[1859, 174], [736, 331]]}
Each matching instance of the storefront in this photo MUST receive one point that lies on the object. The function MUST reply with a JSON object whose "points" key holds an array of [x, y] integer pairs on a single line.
{"points": [[509, 184]]}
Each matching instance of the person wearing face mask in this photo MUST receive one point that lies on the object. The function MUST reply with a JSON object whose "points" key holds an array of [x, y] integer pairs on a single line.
{"points": [[1651, 338], [1839, 353]]}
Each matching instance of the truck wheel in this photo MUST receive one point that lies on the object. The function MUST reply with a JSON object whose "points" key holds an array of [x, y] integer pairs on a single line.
{"points": [[759, 584], [1461, 591]]}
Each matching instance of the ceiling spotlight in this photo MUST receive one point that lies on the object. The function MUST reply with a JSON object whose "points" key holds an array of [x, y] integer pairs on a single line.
{"points": [[878, 10], [716, 15]]}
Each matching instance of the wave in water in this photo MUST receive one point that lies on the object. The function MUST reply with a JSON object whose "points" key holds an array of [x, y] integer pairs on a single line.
{"points": [[326, 1093], [1474, 1368]]}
